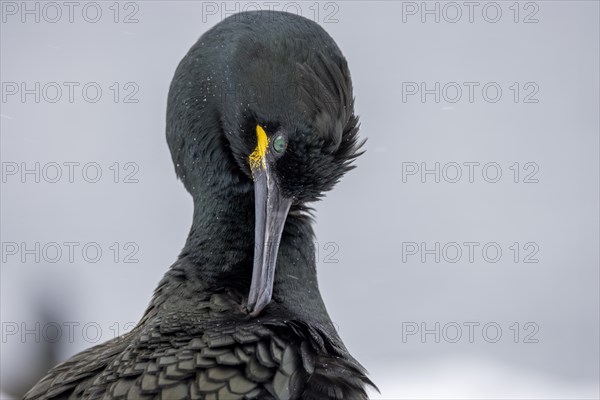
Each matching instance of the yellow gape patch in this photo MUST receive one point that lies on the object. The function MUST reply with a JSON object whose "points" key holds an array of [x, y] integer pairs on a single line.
{"points": [[257, 158]]}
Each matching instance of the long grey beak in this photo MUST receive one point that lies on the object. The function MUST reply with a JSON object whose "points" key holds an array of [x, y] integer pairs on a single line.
{"points": [[271, 210]]}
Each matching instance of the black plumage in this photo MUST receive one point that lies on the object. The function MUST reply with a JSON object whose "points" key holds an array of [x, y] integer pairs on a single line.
{"points": [[202, 336]]}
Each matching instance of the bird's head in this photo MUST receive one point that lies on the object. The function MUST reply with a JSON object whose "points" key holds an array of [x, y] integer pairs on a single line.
{"points": [[279, 97]]}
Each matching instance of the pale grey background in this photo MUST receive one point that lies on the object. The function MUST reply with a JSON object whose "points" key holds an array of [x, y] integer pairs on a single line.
{"points": [[370, 292]]}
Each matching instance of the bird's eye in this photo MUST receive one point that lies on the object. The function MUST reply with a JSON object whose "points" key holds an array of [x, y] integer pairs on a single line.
{"points": [[279, 144]]}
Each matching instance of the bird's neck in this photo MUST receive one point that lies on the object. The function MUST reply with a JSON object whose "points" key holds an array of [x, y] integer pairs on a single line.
{"points": [[219, 245], [220, 248]]}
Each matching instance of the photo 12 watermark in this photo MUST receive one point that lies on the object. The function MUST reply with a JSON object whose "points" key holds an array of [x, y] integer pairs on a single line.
{"points": [[453, 12], [65, 331], [325, 252], [69, 252], [470, 332], [470, 92], [322, 12], [469, 172], [469, 252], [289, 91], [57, 172], [70, 92], [71, 12]]}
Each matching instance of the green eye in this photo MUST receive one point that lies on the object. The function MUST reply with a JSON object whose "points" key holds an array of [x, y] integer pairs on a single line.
{"points": [[279, 144]]}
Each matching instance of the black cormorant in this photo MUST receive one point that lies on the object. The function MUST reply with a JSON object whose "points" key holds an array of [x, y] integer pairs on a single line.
{"points": [[260, 122]]}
